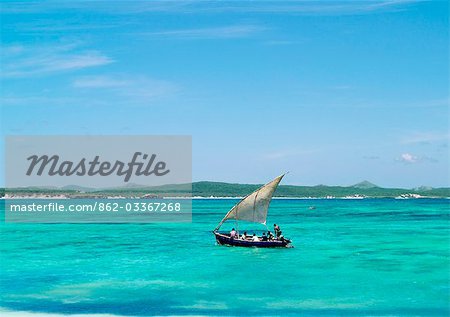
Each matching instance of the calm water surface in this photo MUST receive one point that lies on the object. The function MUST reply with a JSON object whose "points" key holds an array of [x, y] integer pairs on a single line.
{"points": [[351, 258]]}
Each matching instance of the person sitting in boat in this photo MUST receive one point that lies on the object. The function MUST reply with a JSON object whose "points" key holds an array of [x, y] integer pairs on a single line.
{"points": [[244, 235], [232, 233], [269, 236], [255, 238], [264, 237]]}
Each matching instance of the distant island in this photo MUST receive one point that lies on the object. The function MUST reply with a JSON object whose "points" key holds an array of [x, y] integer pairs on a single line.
{"points": [[206, 189]]}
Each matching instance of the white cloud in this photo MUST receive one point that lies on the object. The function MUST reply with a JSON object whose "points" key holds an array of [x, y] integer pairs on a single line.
{"points": [[21, 61], [100, 90], [306, 7], [276, 155], [23, 100], [137, 88], [409, 158], [99, 82], [199, 6], [224, 32], [425, 137]]}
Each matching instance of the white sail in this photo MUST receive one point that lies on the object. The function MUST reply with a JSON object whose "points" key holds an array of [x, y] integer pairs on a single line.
{"points": [[253, 208]]}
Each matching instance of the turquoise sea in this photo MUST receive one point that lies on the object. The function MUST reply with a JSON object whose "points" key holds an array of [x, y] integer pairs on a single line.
{"points": [[381, 257]]}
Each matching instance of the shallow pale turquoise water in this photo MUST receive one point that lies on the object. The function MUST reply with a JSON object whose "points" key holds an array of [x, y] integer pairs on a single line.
{"points": [[351, 258]]}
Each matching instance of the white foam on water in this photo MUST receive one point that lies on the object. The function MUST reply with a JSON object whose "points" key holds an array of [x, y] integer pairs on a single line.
{"points": [[318, 304], [10, 313], [203, 304]]}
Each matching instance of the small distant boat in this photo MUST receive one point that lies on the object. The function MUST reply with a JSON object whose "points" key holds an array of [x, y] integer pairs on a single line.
{"points": [[252, 208]]}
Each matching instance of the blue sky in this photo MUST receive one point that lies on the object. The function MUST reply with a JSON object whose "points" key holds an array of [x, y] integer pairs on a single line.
{"points": [[334, 92]]}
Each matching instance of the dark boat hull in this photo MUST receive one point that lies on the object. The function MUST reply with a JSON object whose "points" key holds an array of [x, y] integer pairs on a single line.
{"points": [[223, 239]]}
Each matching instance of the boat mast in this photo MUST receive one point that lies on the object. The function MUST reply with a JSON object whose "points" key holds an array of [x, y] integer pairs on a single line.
{"points": [[237, 222]]}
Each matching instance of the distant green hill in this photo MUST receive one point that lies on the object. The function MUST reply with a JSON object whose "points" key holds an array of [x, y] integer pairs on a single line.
{"points": [[219, 189], [365, 185], [206, 189]]}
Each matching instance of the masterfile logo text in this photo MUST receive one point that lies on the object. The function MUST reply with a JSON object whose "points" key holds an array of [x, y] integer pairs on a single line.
{"points": [[97, 161], [53, 166]]}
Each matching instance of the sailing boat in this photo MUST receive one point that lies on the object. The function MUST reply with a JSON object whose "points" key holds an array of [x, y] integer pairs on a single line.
{"points": [[252, 208]]}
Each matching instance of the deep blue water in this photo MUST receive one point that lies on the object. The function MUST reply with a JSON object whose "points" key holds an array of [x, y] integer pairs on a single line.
{"points": [[351, 258]]}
